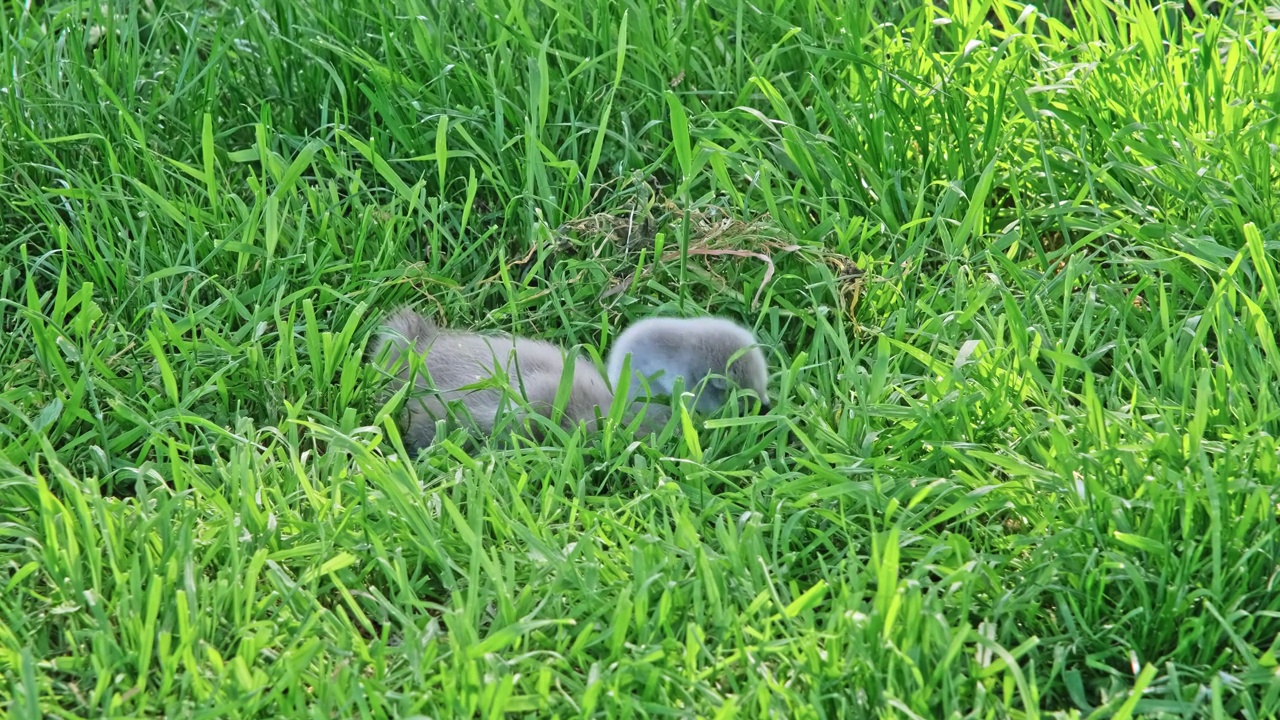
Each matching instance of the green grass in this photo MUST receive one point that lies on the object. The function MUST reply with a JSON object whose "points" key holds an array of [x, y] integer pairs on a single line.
{"points": [[1024, 466]]}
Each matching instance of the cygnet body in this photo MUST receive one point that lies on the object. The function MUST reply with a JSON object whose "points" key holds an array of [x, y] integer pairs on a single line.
{"points": [[454, 362], [713, 356]]}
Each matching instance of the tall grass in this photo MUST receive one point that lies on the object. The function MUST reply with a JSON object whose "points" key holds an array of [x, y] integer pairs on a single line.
{"points": [[1018, 266]]}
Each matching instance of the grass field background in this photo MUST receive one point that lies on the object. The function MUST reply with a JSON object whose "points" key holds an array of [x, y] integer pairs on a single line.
{"points": [[1018, 265]]}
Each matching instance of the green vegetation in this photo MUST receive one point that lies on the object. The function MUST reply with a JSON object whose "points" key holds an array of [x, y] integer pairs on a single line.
{"points": [[1024, 465]]}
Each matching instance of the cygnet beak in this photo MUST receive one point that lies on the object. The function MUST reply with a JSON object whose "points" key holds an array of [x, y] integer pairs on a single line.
{"points": [[751, 405]]}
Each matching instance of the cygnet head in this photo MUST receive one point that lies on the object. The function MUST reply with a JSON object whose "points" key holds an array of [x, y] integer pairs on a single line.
{"points": [[713, 356]]}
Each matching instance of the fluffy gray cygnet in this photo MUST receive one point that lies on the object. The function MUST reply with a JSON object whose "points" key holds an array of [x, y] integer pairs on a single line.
{"points": [[457, 360], [699, 350]]}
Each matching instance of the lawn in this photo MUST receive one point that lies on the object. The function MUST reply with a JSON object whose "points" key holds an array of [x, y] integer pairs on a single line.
{"points": [[1016, 266]]}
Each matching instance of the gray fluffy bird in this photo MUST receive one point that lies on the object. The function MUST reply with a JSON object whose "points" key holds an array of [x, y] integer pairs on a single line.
{"points": [[454, 373], [713, 356]]}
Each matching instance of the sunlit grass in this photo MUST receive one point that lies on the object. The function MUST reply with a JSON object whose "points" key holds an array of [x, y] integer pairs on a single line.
{"points": [[1018, 266]]}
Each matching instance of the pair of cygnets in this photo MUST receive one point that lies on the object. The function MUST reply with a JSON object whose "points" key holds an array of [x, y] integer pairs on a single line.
{"points": [[456, 370]]}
